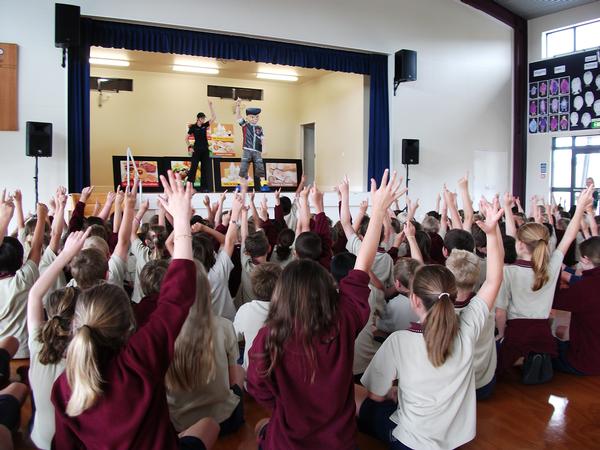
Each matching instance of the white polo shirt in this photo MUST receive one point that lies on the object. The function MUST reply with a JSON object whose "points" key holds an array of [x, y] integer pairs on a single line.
{"points": [[516, 295], [397, 315], [141, 254], [249, 319], [436, 405], [218, 277], [485, 359], [13, 305], [383, 264]]}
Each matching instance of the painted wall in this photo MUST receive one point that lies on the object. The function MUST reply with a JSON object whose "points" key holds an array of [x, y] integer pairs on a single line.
{"points": [[539, 146], [335, 104], [460, 103]]}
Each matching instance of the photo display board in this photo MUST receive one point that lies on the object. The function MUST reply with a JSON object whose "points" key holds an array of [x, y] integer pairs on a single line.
{"points": [[564, 93]]}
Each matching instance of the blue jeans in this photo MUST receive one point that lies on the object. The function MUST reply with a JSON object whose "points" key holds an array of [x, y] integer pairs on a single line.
{"points": [[374, 420], [486, 391]]}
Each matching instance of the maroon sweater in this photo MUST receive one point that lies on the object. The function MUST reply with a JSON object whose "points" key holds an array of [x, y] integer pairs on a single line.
{"points": [[583, 300], [317, 415], [132, 411]]}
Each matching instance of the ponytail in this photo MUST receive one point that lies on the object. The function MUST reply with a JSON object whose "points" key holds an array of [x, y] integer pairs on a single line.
{"points": [[539, 260], [83, 373], [435, 286], [440, 329], [535, 236], [285, 240], [56, 332]]}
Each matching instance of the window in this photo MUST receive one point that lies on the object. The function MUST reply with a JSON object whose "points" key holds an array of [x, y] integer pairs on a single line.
{"points": [[574, 160], [571, 39]]}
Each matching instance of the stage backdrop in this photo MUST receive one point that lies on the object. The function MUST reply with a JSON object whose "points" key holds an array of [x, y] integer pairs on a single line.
{"points": [[147, 38]]}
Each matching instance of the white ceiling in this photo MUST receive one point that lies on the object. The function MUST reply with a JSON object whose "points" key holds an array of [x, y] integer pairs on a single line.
{"points": [[530, 9], [163, 62]]}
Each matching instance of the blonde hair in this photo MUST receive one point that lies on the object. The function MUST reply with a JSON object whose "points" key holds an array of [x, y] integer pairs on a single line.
{"points": [[435, 286], [193, 364], [102, 323], [464, 266], [96, 242], [535, 237], [430, 224]]}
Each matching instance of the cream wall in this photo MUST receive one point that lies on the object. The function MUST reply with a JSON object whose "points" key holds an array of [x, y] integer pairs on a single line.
{"points": [[460, 103], [539, 146], [336, 104], [152, 119]]}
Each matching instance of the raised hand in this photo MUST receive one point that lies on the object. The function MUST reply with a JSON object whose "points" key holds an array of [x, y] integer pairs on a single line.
{"points": [[206, 202], [492, 216], [409, 230], [364, 205], [18, 196], [119, 196], [178, 198], [131, 196], [85, 193], [110, 197], [251, 195], [74, 243], [384, 196], [222, 197]]}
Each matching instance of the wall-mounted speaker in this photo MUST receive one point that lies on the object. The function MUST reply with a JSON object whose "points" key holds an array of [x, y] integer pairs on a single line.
{"points": [[38, 139], [410, 151], [66, 25], [405, 67]]}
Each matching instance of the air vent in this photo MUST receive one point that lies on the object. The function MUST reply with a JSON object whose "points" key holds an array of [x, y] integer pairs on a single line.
{"points": [[234, 93], [111, 84]]}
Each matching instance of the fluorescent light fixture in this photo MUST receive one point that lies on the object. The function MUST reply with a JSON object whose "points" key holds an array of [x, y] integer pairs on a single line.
{"points": [[276, 76], [109, 62], [195, 69]]}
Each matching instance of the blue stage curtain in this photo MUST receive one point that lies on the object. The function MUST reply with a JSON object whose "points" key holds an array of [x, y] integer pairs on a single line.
{"points": [[78, 119], [184, 42]]}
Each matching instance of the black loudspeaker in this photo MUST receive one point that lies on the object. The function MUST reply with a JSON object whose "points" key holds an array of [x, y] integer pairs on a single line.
{"points": [[66, 25], [410, 151], [39, 139], [405, 66]]}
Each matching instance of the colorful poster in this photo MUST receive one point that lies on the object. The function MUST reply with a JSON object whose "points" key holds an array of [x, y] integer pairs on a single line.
{"points": [[183, 169], [147, 172], [282, 174], [229, 174], [220, 140]]}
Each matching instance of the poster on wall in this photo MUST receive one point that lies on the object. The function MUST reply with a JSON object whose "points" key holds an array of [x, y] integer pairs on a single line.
{"points": [[228, 174], [282, 174], [220, 140], [564, 93], [183, 169], [147, 172]]}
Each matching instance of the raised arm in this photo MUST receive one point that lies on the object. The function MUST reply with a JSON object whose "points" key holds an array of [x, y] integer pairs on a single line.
{"points": [[304, 211], [345, 217], [463, 188], [238, 114], [443, 218], [451, 204], [122, 247], [178, 203], [7, 209], [35, 307], [18, 201], [219, 211], [232, 231], [362, 212], [411, 208], [60, 200], [495, 253], [410, 233], [105, 212], [381, 199], [213, 115], [118, 216], [38, 235], [438, 199], [511, 227], [243, 225], [137, 219], [585, 198]]}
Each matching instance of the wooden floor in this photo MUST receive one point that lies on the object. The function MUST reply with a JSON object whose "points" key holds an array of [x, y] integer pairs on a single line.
{"points": [[563, 414]]}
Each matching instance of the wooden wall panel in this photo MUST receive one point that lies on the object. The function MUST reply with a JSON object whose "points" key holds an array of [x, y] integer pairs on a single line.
{"points": [[8, 87]]}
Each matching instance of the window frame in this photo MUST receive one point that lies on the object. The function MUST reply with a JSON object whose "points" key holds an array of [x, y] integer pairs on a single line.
{"points": [[545, 35]]}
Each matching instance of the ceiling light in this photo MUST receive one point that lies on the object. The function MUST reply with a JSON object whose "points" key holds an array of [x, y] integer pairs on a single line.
{"points": [[276, 76], [196, 69], [109, 62]]}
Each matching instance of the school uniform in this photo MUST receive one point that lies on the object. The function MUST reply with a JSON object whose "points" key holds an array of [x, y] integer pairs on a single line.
{"points": [[485, 358], [14, 290], [320, 225], [383, 265], [248, 265], [319, 412], [132, 411], [436, 405], [141, 253], [249, 319], [527, 311], [41, 379], [218, 276], [397, 315], [48, 257], [583, 301], [280, 262], [214, 399], [117, 268], [365, 345]]}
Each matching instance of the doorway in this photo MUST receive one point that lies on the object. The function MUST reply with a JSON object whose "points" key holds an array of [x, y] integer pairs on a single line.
{"points": [[308, 156]]}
